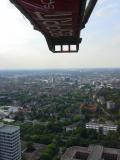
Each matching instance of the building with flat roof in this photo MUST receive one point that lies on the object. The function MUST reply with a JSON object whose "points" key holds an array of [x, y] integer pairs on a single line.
{"points": [[10, 147], [93, 152], [71, 127], [103, 128]]}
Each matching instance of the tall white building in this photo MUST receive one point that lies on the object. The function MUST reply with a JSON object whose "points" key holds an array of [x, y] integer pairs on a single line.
{"points": [[10, 147]]}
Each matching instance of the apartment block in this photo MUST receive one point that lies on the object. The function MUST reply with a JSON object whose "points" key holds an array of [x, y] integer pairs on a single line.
{"points": [[10, 147], [102, 128]]}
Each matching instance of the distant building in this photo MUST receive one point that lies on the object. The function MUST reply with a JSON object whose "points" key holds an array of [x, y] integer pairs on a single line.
{"points": [[93, 152], [7, 110], [10, 148], [13, 109], [102, 128], [3, 114], [94, 97], [101, 100], [71, 127], [8, 120], [109, 86], [90, 107], [110, 105]]}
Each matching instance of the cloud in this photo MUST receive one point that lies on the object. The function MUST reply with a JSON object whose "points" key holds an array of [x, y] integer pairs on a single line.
{"points": [[107, 10], [22, 47], [100, 2]]}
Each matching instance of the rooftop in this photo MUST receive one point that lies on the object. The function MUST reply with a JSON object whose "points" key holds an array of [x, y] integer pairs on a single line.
{"points": [[96, 152], [93, 152], [8, 128], [109, 124]]}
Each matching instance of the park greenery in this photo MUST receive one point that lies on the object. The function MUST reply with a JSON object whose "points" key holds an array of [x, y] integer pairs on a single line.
{"points": [[49, 116]]}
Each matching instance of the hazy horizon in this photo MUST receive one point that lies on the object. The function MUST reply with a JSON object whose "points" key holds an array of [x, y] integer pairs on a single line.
{"points": [[39, 69]]}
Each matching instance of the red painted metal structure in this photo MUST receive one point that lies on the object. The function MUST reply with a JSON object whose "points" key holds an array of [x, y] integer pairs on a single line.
{"points": [[60, 21]]}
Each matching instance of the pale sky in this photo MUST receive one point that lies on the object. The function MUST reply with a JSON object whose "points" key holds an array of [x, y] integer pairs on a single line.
{"points": [[21, 47]]}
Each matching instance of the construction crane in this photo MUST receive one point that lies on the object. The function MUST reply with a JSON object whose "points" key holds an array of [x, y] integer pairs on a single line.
{"points": [[60, 21]]}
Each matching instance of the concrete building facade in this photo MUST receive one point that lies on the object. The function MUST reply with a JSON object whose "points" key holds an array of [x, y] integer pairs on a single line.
{"points": [[10, 147], [93, 152], [103, 128]]}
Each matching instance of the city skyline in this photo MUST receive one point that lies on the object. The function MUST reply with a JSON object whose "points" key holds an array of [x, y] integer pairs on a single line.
{"points": [[21, 47]]}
